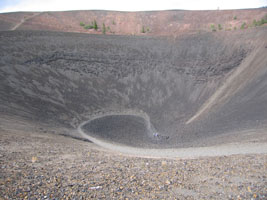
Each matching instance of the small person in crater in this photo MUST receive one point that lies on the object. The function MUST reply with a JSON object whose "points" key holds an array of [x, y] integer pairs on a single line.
{"points": [[156, 135]]}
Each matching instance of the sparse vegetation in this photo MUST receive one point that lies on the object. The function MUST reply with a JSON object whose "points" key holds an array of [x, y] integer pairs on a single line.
{"points": [[213, 27], [244, 25], [113, 22], [104, 28], [260, 22], [143, 29], [88, 27], [255, 22], [95, 25]]}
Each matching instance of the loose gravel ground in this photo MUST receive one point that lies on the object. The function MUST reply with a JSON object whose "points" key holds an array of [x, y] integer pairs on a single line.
{"points": [[45, 166]]}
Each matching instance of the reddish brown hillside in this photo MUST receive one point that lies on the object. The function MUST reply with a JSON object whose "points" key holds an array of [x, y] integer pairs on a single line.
{"points": [[136, 23]]}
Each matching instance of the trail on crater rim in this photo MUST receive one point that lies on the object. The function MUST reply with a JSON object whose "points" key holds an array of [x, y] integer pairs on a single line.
{"points": [[236, 81], [23, 20]]}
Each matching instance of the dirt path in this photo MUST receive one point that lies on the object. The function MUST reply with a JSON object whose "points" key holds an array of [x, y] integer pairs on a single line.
{"points": [[236, 81], [246, 147], [24, 20]]}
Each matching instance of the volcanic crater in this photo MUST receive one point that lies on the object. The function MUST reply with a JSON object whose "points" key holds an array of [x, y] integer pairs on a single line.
{"points": [[139, 91]]}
